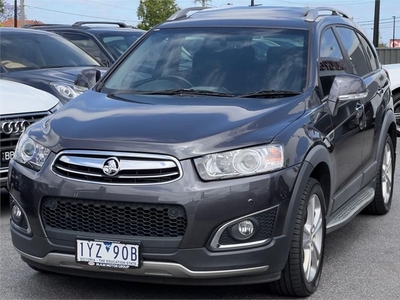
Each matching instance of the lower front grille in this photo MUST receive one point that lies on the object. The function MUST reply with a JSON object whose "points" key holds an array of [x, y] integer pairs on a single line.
{"points": [[114, 218]]}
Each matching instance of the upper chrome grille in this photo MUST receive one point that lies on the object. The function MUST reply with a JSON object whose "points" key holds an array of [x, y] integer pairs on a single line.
{"points": [[134, 168]]}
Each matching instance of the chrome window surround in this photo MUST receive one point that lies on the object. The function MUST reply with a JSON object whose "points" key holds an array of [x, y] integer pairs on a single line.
{"points": [[214, 244], [116, 154]]}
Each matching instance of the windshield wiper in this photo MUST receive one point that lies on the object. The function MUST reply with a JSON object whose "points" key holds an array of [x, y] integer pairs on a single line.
{"points": [[269, 94], [187, 92]]}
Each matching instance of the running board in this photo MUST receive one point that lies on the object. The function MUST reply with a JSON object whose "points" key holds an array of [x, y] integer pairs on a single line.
{"points": [[350, 210]]}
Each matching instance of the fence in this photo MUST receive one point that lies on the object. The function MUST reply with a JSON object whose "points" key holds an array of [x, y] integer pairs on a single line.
{"points": [[389, 55]]}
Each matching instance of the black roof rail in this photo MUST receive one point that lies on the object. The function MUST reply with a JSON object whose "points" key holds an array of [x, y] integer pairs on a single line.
{"points": [[183, 12], [314, 13], [80, 23]]}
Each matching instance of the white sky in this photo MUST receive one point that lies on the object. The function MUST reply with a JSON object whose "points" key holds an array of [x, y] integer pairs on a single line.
{"points": [[70, 11]]}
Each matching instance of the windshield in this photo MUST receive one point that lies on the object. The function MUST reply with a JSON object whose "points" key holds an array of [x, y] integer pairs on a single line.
{"points": [[231, 61], [39, 51], [117, 43]]}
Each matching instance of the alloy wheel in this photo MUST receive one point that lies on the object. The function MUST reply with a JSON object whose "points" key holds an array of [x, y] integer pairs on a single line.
{"points": [[397, 115], [312, 238], [387, 174]]}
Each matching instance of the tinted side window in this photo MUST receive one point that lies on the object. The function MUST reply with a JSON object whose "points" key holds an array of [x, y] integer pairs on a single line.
{"points": [[87, 44], [331, 61], [354, 50], [370, 54]]}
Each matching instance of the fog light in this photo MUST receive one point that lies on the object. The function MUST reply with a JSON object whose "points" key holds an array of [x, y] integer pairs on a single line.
{"points": [[16, 214], [246, 228]]}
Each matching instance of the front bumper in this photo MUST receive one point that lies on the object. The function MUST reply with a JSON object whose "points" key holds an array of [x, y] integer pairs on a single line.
{"points": [[208, 205]]}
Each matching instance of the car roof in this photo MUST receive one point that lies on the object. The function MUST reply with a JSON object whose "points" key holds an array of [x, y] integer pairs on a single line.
{"points": [[250, 16], [91, 26], [13, 30]]}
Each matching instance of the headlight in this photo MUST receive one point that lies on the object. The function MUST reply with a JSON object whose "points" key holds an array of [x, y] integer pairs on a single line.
{"points": [[239, 163], [30, 153], [68, 90]]}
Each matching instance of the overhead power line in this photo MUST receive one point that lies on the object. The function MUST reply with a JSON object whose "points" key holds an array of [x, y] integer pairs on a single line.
{"points": [[110, 5], [81, 15], [372, 21]]}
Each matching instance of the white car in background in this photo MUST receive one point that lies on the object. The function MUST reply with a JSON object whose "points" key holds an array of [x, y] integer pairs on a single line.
{"points": [[20, 106], [394, 74]]}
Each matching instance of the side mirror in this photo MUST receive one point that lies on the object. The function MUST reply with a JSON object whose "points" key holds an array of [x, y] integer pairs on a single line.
{"points": [[87, 78], [346, 87]]}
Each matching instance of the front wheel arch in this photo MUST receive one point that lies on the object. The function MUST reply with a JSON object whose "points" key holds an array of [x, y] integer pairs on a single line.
{"points": [[302, 272]]}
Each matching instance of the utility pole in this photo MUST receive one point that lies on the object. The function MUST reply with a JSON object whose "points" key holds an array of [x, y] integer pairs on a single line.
{"points": [[252, 3], [22, 5], [15, 13], [394, 30], [203, 2], [376, 23]]}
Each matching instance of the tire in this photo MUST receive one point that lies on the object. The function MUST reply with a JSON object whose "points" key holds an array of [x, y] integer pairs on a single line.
{"points": [[384, 182], [302, 272], [396, 102]]}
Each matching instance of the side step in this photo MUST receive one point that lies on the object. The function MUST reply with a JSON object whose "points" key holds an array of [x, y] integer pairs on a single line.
{"points": [[350, 210]]}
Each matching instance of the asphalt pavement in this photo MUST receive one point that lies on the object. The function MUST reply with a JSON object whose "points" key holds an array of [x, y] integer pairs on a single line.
{"points": [[362, 261]]}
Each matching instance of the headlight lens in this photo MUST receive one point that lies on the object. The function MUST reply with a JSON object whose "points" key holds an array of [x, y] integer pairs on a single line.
{"points": [[239, 163], [30, 153], [68, 90]]}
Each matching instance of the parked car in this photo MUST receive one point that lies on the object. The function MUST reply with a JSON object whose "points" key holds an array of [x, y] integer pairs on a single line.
{"points": [[20, 106], [394, 74], [43, 60], [106, 43], [194, 160]]}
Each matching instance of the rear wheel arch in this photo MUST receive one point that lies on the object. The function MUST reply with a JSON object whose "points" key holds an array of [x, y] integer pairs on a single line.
{"points": [[396, 106], [388, 127]]}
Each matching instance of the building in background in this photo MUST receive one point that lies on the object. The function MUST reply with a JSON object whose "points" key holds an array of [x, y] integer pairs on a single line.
{"points": [[394, 43], [10, 22]]}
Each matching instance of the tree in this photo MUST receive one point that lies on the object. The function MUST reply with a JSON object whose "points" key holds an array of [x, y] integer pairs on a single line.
{"points": [[154, 12], [7, 11]]}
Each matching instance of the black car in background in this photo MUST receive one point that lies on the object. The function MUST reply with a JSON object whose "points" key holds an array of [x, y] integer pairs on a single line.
{"points": [[100, 39], [220, 149], [43, 60]]}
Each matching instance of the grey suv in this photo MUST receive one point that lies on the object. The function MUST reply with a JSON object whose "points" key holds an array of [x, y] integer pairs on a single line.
{"points": [[106, 41], [220, 149]]}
